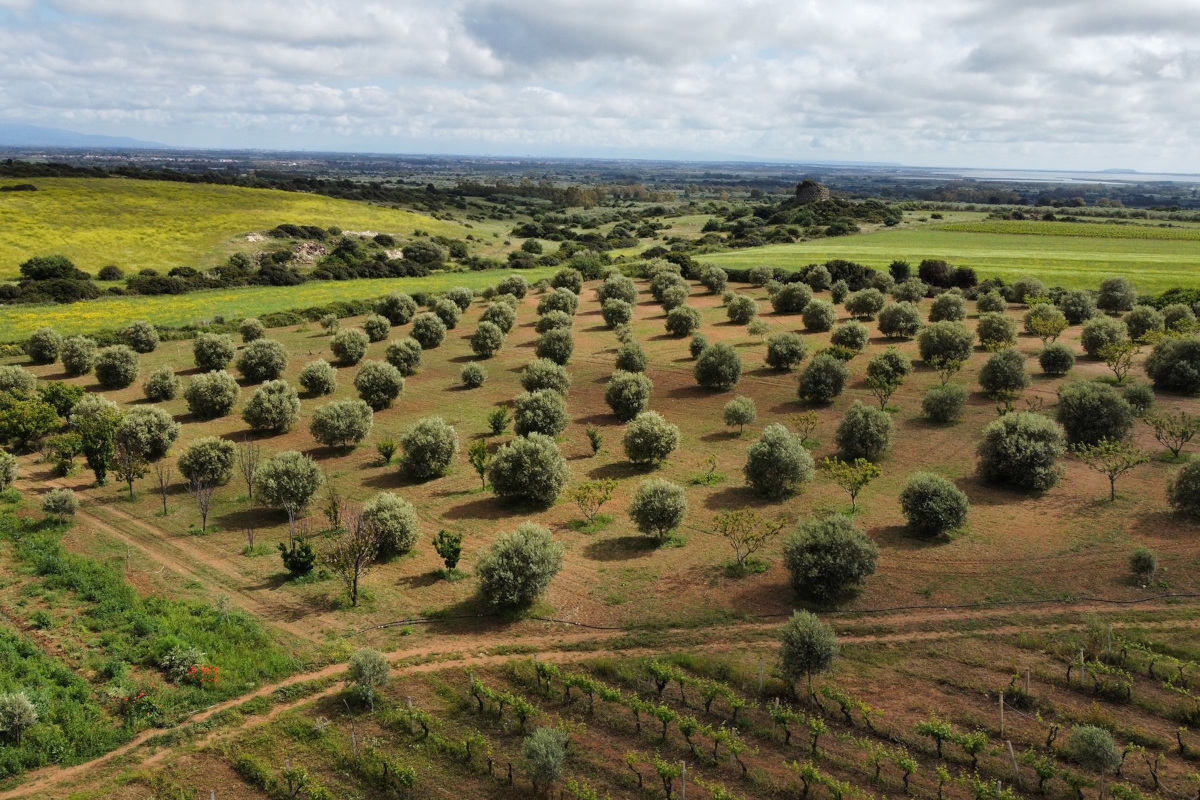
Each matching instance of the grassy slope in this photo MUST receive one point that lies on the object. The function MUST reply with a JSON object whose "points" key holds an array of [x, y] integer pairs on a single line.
{"points": [[1071, 261], [140, 224]]}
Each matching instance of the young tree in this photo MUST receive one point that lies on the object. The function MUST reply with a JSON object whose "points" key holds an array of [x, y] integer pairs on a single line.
{"points": [[479, 457], [17, 714], [853, 478], [777, 464], [96, 419], [1112, 459], [747, 532], [128, 462], [807, 647], [933, 505], [448, 546], [545, 753], [352, 552], [162, 475], [829, 557], [1119, 357], [395, 524], [1174, 430], [430, 447], [289, 481], [740, 411], [368, 671], [203, 491], [529, 468], [590, 497], [519, 566], [1021, 450], [658, 507], [248, 456]]}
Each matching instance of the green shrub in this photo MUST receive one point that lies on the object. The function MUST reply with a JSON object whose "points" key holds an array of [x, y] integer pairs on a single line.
{"points": [[543, 411], [1091, 412], [1143, 563], [1100, 332], [839, 291], [940, 342], [487, 340], [1142, 320], [948, 307], [658, 507], [786, 351], [318, 378], [542, 373], [714, 279], [16, 380], [405, 355], [448, 312], [823, 379], [430, 447], [617, 287], [148, 431], [1003, 377], [818, 278], [501, 315], [944, 404], [288, 481], [473, 375], [996, 331], [628, 394], [910, 290], [1021, 450], [513, 285], [563, 300], [933, 505], [718, 367], [461, 296], [208, 459], [342, 423], [828, 558], [44, 346], [428, 330], [395, 523], [649, 439], [568, 278], [740, 411], [864, 432], [262, 360], [1056, 359], [631, 358], [1174, 365], [78, 355], [991, 302], [697, 345], [682, 321], [1093, 748], [1116, 295], [890, 365], [556, 345], [1178, 317], [116, 367], [213, 351], [792, 298], [398, 308], [1139, 396], [251, 330], [741, 309], [777, 465], [8, 470], [519, 567], [865, 304], [1183, 490], [1026, 288], [616, 312], [349, 346], [211, 395], [529, 469], [377, 327], [140, 336], [60, 503], [900, 320], [1078, 307], [850, 336], [273, 408], [819, 316], [554, 320]]}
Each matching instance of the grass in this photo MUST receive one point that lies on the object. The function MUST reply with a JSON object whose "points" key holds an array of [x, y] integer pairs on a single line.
{"points": [[151, 224], [1064, 254]]}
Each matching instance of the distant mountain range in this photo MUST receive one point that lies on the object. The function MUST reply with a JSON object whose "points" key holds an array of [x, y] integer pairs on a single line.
{"points": [[13, 134]]}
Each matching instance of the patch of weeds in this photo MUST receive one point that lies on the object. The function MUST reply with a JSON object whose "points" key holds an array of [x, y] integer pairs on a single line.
{"points": [[194, 531], [10, 496], [926, 592], [752, 566], [453, 575], [257, 550], [598, 523], [708, 479], [256, 705], [316, 576]]}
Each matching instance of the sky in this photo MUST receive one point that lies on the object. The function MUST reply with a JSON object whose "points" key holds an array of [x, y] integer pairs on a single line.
{"points": [[1041, 84]]}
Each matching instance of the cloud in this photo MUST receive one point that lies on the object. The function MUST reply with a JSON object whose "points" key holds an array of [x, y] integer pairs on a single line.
{"points": [[1075, 83]]}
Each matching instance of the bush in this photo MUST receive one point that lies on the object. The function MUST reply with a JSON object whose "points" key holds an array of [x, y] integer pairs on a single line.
{"points": [[1143, 320], [530, 469], [568, 278], [1178, 317], [940, 342], [718, 367], [395, 523], [428, 330], [991, 302], [430, 447], [807, 647], [823, 379], [398, 308], [631, 358], [140, 336], [891, 365], [342, 423], [501, 315], [864, 432], [697, 345], [349, 346], [44, 346], [865, 304], [1056, 360], [262, 360], [288, 481], [554, 320], [78, 355], [819, 316], [60, 503], [948, 307], [148, 431], [1078, 307], [944, 404], [318, 378], [1183, 490], [461, 296], [473, 375], [658, 507], [379, 384], [519, 567], [617, 287], [209, 459], [211, 395], [741, 309], [1100, 332], [377, 327], [405, 355], [793, 298], [1093, 748], [996, 331], [777, 464], [819, 278], [1116, 295], [740, 411], [649, 439], [616, 312], [556, 345], [513, 285], [1140, 397], [933, 505], [714, 279], [448, 312], [487, 340], [839, 291], [1021, 450], [1091, 412], [251, 330], [161, 385], [213, 351], [760, 275], [1143, 563], [543, 411], [628, 394], [8, 470], [910, 290], [852, 336], [1024, 289], [1174, 365], [1003, 377], [785, 351], [827, 558], [273, 408], [682, 321], [110, 273], [116, 367], [543, 373], [899, 320], [563, 300]]}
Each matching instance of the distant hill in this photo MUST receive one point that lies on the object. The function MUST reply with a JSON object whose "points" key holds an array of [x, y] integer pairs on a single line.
{"points": [[14, 134]]}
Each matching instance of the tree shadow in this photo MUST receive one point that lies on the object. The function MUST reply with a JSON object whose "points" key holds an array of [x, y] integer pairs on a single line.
{"points": [[245, 518], [767, 372], [392, 479], [273, 582], [617, 471], [483, 507], [595, 419], [734, 497], [422, 581], [721, 436], [620, 548], [692, 393], [464, 359]]}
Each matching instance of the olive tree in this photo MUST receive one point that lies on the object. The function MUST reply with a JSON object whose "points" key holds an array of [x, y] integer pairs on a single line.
{"points": [[1004, 377], [1021, 450], [563, 300], [996, 331], [448, 312], [553, 320], [649, 439], [213, 351], [617, 287], [1092, 412], [116, 367], [368, 670], [288, 481], [161, 385], [714, 279], [741, 309], [487, 340], [519, 566], [44, 346], [78, 355], [395, 523], [807, 647], [617, 312], [543, 411], [828, 558], [472, 375], [658, 507], [1116, 295], [461, 296], [1183, 490], [349, 346], [1174, 365], [933, 505], [740, 412], [251, 330], [777, 465], [628, 394], [60, 503], [262, 360], [1078, 306], [948, 307], [865, 304], [430, 447], [211, 395], [273, 408], [568, 278], [428, 330], [631, 358], [819, 316], [398, 308], [377, 327], [823, 379], [944, 404], [1178, 317], [342, 423], [942, 342], [785, 351], [852, 336], [864, 432], [682, 320], [529, 469], [513, 285], [405, 355], [543, 373], [718, 367], [991, 302], [556, 345], [900, 320], [318, 378], [501, 315], [149, 431], [1092, 747], [140, 336], [1100, 332], [209, 459], [378, 384], [792, 298]]}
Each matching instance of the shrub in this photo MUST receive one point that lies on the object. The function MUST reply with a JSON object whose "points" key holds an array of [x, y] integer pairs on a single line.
{"points": [[910, 290], [318, 378], [807, 647], [617, 287], [631, 358], [864, 432], [1003, 377], [1021, 450], [530, 469], [556, 345], [288, 481], [718, 367], [741, 309], [273, 408], [461, 296], [1143, 563], [1024, 289], [377, 327], [342, 423], [628, 394], [473, 375], [1140, 397], [44, 346], [14, 379], [944, 404], [60, 503], [777, 464], [785, 351], [1142, 320], [1056, 360], [1093, 748], [852, 336], [398, 308], [78, 355], [649, 439], [682, 321], [487, 340], [996, 331], [1116, 295], [899, 320], [933, 505], [698, 344], [395, 523], [760, 275], [514, 285], [8, 470], [448, 312], [1178, 317], [948, 307], [819, 278], [428, 330], [519, 567], [819, 316], [714, 279], [1183, 490], [501, 315], [262, 360], [161, 385], [1100, 332], [430, 447], [891, 365], [349, 346], [827, 558], [658, 507], [213, 351], [568, 278], [543, 411], [823, 379], [211, 395], [140, 336], [839, 291], [1090, 412], [209, 459], [616, 312], [563, 300], [740, 411], [1174, 365], [991, 302], [251, 330], [865, 304], [379, 384], [793, 298], [116, 367], [554, 320], [405, 355], [1078, 307], [149, 431], [940, 342], [545, 374]]}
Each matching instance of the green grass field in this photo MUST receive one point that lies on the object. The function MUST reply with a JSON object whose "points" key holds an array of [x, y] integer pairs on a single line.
{"points": [[140, 224], [1008, 251]]}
